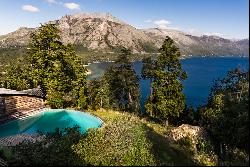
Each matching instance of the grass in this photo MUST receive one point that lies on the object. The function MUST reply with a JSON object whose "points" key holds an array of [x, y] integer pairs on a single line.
{"points": [[164, 152]]}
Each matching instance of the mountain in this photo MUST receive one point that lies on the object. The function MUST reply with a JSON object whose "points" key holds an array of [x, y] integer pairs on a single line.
{"points": [[104, 32], [203, 45]]}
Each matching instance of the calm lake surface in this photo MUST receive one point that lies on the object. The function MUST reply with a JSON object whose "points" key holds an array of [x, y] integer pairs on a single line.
{"points": [[202, 71]]}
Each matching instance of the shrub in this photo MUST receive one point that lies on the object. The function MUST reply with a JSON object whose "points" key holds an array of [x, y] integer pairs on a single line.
{"points": [[55, 149], [204, 146], [186, 144], [5, 153], [121, 143]]}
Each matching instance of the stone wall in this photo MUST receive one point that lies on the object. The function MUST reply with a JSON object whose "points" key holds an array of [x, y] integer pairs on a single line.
{"points": [[22, 103]]}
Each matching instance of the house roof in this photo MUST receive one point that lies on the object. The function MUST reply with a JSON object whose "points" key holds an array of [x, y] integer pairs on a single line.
{"points": [[30, 92], [4, 91]]}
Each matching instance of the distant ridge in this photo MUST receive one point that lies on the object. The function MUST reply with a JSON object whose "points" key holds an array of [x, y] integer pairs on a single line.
{"points": [[104, 32]]}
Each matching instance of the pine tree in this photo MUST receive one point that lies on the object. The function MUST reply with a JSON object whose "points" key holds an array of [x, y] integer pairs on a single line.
{"points": [[166, 99], [97, 94], [124, 92], [52, 66]]}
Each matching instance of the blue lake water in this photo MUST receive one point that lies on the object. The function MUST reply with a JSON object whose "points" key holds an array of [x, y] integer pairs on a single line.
{"points": [[202, 71]]}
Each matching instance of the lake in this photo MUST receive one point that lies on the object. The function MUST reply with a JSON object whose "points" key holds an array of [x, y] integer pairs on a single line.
{"points": [[202, 71]]}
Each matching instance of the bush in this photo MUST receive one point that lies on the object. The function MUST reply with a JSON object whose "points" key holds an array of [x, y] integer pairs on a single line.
{"points": [[186, 144], [5, 153], [121, 143], [205, 146], [55, 149]]}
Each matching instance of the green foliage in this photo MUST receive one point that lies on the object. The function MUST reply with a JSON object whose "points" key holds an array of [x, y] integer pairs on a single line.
{"points": [[122, 143], [122, 84], [226, 116], [188, 116], [166, 99], [17, 76], [154, 134], [6, 153], [205, 146], [11, 54], [53, 66], [55, 149], [187, 145], [149, 47], [98, 94]]}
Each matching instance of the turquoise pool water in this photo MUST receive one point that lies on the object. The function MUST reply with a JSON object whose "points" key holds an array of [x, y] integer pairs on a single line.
{"points": [[48, 120]]}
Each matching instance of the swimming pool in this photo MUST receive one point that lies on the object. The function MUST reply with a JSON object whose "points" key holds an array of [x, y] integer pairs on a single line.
{"points": [[48, 120]]}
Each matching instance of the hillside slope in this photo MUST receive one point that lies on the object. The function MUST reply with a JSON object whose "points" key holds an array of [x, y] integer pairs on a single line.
{"points": [[106, 33]]}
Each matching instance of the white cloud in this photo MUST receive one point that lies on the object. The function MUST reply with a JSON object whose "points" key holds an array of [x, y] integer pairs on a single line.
{"points": [[148, 21], [197, 32], [162, 23], [72, 6], [30, 8], [213, 34], [51, 1]]}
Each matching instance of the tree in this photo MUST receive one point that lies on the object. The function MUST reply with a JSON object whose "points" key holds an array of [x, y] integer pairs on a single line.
{"points": [[148, 70], [52, 66], [226, 115], [98, 94], [166, 99], [187, 116], [16, 77], [124, 92]]}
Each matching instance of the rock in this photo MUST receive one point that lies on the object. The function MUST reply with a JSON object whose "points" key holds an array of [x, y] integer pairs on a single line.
{"points": [[185, 130]]}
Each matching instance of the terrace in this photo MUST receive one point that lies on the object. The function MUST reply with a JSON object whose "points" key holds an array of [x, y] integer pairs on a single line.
{"points": [[19, 104]]}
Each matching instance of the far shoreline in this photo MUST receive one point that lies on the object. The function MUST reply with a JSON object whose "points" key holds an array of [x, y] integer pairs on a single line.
{"points": [[182, 57]]}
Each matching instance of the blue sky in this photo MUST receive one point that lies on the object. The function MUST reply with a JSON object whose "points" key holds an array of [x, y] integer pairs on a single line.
{"points": [[226, 18]]}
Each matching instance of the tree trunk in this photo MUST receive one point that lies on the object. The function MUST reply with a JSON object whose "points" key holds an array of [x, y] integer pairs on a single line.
{"points": [[221, 150], [131, 101], [151, 90], [166, 123], [101, 102], [130, 98], [241, 92]]}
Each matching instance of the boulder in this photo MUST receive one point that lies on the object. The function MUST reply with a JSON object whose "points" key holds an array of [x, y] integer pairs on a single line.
{"points": [[185, 130]]}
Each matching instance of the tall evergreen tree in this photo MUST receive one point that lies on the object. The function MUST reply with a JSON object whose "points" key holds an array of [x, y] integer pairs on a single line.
{"points": [[124, 92], [54, 67], [166, 99], [148, 70], [98, 94]]}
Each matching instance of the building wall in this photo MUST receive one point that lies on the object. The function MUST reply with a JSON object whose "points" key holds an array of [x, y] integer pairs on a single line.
{"points": [[2, 105], [22, 103]]}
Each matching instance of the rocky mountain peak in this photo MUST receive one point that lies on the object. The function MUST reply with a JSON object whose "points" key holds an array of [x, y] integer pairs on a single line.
{"points": [[104, 32], [84, 16]]}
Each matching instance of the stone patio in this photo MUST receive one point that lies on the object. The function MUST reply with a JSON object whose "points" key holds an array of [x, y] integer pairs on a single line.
{"points": [[16, 139]]}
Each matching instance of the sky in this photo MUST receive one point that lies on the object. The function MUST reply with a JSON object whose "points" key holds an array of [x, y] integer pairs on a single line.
{"points": [[225, 18]]}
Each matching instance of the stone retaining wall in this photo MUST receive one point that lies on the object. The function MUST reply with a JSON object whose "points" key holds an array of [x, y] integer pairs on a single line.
{"points": [[21, 103]]}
